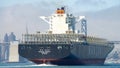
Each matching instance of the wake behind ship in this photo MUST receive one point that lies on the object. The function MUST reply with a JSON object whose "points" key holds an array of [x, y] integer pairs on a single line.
{"points": [[62, 44]]}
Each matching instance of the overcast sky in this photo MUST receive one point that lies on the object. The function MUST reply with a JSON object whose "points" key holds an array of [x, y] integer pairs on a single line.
{"points": [[103, 17]]}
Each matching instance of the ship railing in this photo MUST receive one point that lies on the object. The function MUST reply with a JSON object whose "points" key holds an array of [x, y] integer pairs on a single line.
{"points": [[50, 42], [48, 38], [30, 42], [61, 42], [114, 42]]}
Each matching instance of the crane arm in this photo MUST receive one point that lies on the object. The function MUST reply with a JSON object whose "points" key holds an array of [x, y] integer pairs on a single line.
{"points": [[46, 19]]}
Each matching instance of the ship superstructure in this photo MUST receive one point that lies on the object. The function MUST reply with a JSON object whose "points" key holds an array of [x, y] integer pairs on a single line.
{"points": [[62, 44]]}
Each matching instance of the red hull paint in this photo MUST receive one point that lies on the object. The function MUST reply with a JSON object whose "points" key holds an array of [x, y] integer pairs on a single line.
{"points": [[70, 62]]}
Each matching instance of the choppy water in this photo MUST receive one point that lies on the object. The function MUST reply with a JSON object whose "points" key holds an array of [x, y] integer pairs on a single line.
{"points": [[31, 65]]}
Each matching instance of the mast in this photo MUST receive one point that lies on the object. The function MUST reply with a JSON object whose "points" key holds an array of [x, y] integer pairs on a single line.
{"points": [[26, 29]]}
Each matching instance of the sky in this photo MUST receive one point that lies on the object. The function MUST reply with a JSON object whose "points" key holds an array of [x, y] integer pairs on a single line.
{"points": [[85, 5], [102, 16]]}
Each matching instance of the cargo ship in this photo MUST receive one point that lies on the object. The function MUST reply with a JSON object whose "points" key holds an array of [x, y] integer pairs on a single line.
{"points": [[62, 44]]}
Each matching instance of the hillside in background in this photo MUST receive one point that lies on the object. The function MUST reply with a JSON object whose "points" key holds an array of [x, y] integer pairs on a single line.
{"points": [[114, 56]]}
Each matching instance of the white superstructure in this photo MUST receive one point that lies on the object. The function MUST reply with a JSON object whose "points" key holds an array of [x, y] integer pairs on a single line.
{"points": [[60, 22]]}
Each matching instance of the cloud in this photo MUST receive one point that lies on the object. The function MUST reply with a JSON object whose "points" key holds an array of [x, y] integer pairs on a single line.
{"points": [[95, 5], [91, 2]]}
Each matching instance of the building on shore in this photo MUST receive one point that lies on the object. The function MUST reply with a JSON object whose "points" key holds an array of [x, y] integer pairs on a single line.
{"points": [[9, 49]]}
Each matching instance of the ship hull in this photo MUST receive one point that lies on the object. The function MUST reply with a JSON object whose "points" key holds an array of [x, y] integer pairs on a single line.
{"points": [[70, 61], [65, 54]]}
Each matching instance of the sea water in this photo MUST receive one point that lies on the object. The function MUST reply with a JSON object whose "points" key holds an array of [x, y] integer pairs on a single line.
{"points": [[32, 65]]}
